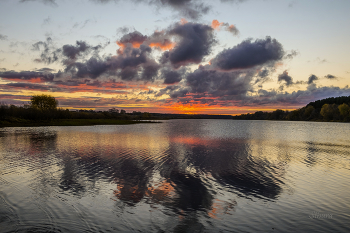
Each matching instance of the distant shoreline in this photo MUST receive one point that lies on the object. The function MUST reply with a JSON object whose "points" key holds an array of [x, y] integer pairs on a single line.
{"points": [[70, 122]]}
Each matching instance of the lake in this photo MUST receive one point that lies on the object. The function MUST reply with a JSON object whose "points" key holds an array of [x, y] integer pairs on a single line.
{"points": [[176, 176]]}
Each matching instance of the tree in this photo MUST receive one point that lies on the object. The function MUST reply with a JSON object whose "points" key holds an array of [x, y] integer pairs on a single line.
{"points": [[44, 102], [330, 112], [344, 109], [308, 111]]}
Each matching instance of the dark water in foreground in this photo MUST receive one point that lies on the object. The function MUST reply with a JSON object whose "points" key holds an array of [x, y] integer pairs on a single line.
{"points": [[178, 176]]}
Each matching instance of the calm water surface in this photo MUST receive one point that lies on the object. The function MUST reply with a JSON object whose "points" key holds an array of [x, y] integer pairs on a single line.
{"points": [[177, 176]]}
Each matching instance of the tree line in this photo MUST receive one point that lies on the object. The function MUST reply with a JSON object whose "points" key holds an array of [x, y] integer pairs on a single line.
{"points": [[330, 109], [45, 108]]}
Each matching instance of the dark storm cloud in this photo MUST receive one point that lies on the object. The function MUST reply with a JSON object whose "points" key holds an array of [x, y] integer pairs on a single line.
{"points": [[81, 47], [195, 43], [285, 77], [27, 75], [133, 37], [150, 70], [181, 92], [248, 54], [218, 84], [92, 68], [130, 64], [171, 76], [329, 76], [3, 37], [312, 78]]}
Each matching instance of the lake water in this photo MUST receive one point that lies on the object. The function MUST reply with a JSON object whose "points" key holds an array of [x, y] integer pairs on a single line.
{"points": [[176, 176]]}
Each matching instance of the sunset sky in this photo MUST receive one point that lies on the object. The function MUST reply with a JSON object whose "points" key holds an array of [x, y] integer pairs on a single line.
{"points": [[175, 56]]}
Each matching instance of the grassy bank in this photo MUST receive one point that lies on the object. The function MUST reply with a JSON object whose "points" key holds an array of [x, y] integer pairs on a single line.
{"points": [[18, 122]]}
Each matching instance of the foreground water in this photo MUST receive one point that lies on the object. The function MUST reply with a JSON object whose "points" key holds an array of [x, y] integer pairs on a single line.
{"points": [[177, 176]]}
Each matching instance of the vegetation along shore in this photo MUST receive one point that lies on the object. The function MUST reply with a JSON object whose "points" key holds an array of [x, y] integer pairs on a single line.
{"points": [[43, 111]]}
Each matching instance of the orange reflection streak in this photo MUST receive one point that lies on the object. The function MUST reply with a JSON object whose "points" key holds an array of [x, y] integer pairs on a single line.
{"points": [[220, 207], [135, 193], [161, 192], [216, 24], [191, 140]]}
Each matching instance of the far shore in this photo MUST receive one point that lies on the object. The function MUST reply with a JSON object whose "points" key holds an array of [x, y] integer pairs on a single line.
{"points": [[70, 122]]}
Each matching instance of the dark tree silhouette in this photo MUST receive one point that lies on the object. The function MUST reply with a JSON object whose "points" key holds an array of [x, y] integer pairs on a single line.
{"points": [[44, 102]]}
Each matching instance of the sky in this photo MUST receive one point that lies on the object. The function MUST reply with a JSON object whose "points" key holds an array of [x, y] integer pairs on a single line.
{"points": [[175, 56]]}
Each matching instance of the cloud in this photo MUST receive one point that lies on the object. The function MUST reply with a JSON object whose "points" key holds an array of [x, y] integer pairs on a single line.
{"points": [[3, 37], [216, 83], [285, 77], [135, 39], [193, 9], [47, 21], [48, 53], [27, 75], [195, 42], [231, 28], [46, 2], [172, 76], [331, 77], [248, 54], [67, 54], [291, 55], [81, 47], [312, 78]]}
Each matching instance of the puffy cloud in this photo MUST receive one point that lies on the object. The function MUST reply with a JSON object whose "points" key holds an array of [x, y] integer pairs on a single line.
{"points": [[81, 47], [248, 54], [134, 38], [92, 68], [171, 76], [285, 77], [195, 42], [312, 78], [329, 76]]}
